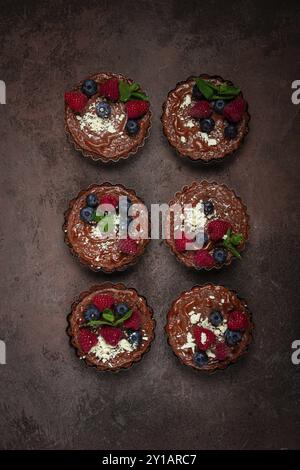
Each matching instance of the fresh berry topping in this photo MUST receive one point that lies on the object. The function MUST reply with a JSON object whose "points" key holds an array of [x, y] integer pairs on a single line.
{"points": [[132, 127], [92, 313], [204, 338], [200, 358], [103, 301], [92, 200], [233, 337], [136, 108], [87, 339], [109, 199], [222, 351], [217, 229], [87, 214], [103, 109], [135, 338], [110, 89], [208, 207], [128, 246], [237, 321], [196, 93], [234, 110], [89, 87], [111, 334], [207, 125], [121, 309], [216, 318], [76, 100], [220, 255], [203, 259], [219, 106], [134, 322], [180, 243], [230, 131], [200, 110]]}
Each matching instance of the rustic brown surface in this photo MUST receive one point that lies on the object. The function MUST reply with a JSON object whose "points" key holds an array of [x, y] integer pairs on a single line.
{"points": [[49, 399]]}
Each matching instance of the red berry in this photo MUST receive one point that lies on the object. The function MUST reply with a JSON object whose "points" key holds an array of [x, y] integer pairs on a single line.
{"points": [[204, 338], [217, 229], [76, 100], [136, 108], [237, 321], [111, 334], [134, 322], [128, 246], [103, 301], [180, 243], [234, 110], [222, 351], [87, 339], [110, 89], [109, 199], [203, 259], [201, 109]]}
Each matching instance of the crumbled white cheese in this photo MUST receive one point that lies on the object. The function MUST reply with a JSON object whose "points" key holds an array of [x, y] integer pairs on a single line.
{"points": [[203, 338], [190, 123], [210, 141], [190, 344], [195, 318], [182, 138], [105, 352], [186, 101]]}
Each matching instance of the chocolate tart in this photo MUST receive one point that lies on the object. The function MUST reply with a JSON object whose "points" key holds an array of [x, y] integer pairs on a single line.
{"points": [[85, 240], [121, 348], [184, 132], [225, 207], [198, 327], [100, 138]]}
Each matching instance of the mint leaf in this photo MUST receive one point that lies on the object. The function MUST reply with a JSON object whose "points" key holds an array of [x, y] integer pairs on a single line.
{"points": [[125, 317], [205, 88], [96, 323], [234, 251], [134, 87], [139, 95], [225, 89], [108, 315], [124, 90], [237, 238], [97, 218]]}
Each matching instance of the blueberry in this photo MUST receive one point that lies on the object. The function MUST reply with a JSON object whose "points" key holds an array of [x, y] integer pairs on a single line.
{"points": [[121, 309], [207, 125], [92, 200], [196, 93], [103, 109], [86, 214], [89, 87], [216, 318], [200, 358], [233, 337], [132, 127], [135, 337], [230, 131], [92, 313], [219, 106], [208, 207], [220, 255]]}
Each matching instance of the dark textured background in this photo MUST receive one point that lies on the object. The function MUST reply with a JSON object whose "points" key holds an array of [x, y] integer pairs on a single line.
{"points": [[49, 399]]}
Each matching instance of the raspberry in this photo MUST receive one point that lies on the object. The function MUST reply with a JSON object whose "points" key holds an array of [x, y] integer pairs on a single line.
{"points": [[201, 109], [180, 243], [136, 108], [217, 229], [111, 334], [87, 339], [134, 322], [103, 301], [110, 89], [222, 351], [234, 110], [203, 259], [128, 246], [76, 100], [237, 321], [109, 199], [204, 338]]}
